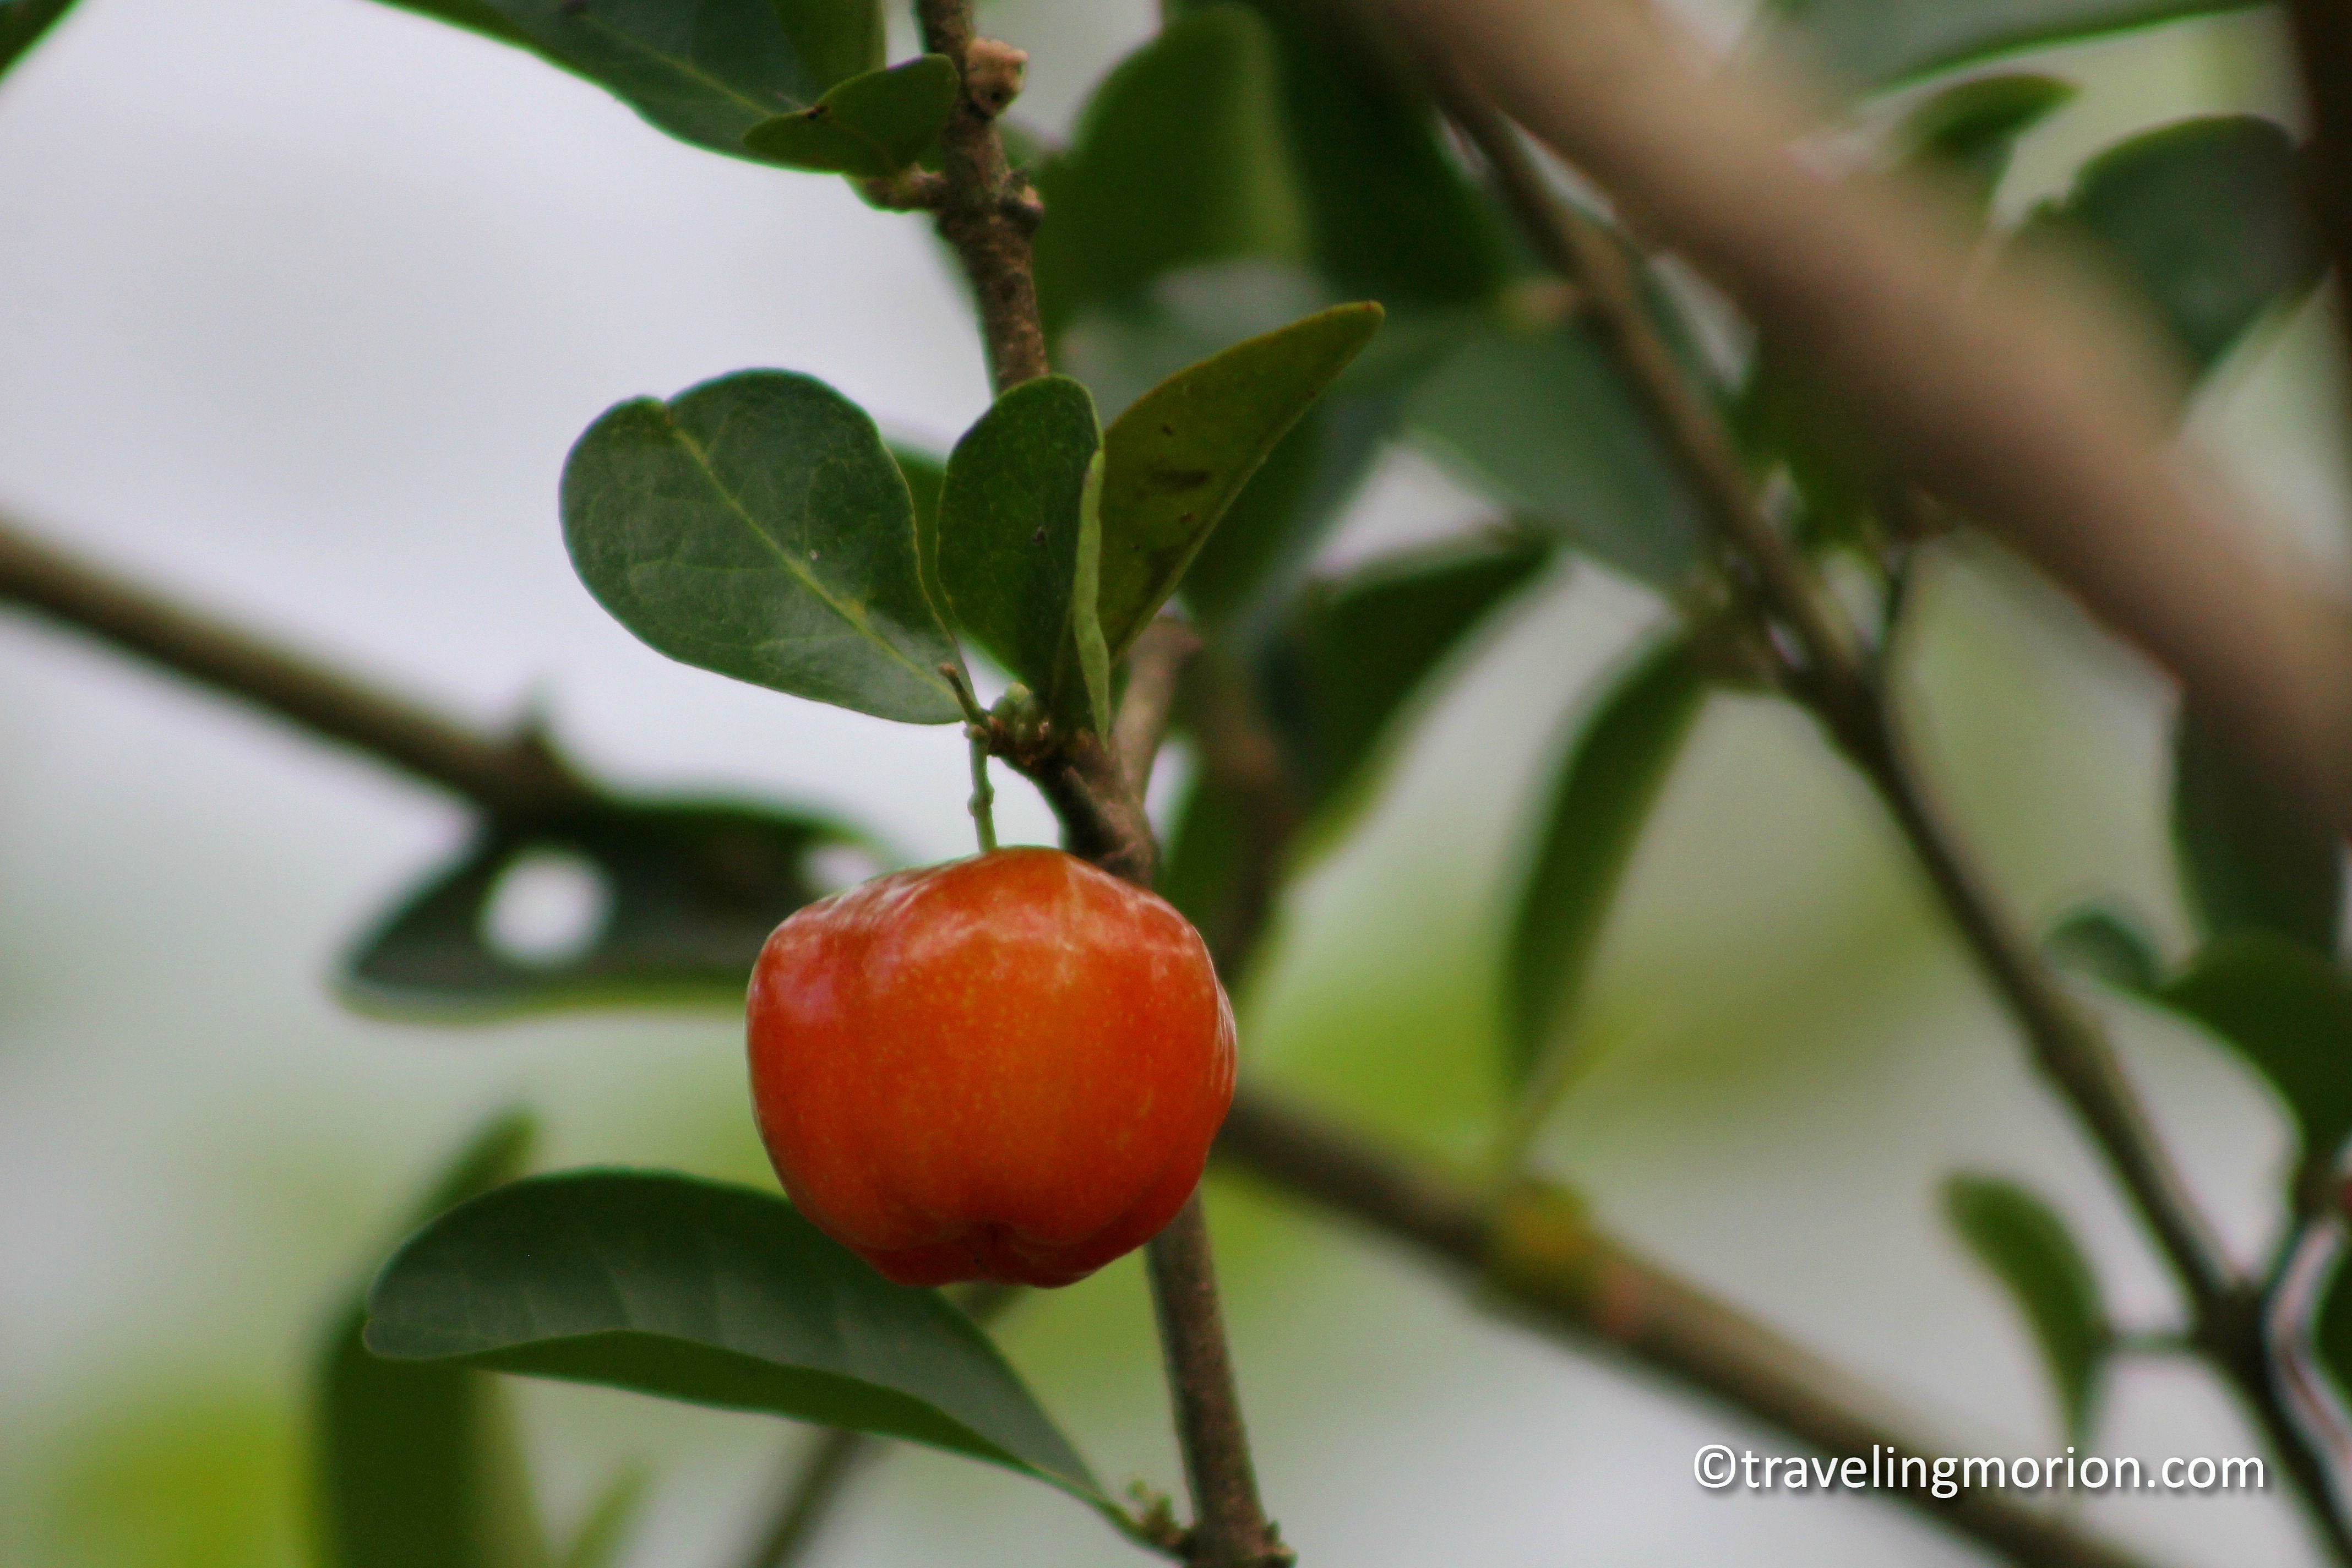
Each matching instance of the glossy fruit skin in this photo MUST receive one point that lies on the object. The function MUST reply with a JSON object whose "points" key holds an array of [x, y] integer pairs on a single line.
{"points": [[1005, 1067]]}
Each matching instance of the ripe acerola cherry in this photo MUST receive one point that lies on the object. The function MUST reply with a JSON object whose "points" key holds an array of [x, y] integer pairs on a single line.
{"points": [[1005, 1068]]}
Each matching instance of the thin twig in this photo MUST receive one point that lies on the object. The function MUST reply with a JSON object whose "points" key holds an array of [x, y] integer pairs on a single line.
{"points": [[1155, 667], [520, 777], [985, 213], [1842, 689], [1279, 1146]]}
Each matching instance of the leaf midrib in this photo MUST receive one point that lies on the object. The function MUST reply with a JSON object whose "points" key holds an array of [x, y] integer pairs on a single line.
{"points": [[690, 70], [854, 619]]}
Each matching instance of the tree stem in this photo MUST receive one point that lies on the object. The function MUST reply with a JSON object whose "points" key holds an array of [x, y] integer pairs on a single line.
{"points": [[984, 212]]}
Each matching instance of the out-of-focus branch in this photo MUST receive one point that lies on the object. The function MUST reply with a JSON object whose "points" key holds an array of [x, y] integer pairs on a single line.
{"points": [[2323, 43], [1155, 668], [1715, 1352], [2027, 415], [1536, 1255], [516, 777]]}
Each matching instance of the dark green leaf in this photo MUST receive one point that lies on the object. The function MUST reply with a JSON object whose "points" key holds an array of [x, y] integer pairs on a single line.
{"points": [[2248, 859], [691, 889], [2331, 1331], [2029, 1249], [1540, 419], [2288, 1012], [1359, 647], [419, 1464], [1178, 159], [1966, 135], [1215, 869], [707, 71], [756, 526], [2206, 221], [22, 22], [871, 126], [1610, 775], [713, 1294], [1390, 216], [2108, 947], [1175, 460], [1020, 549], [1878, 43]]}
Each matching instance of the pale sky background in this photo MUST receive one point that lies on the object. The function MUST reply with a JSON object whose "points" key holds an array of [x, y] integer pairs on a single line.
{"points": [[303, 302]]}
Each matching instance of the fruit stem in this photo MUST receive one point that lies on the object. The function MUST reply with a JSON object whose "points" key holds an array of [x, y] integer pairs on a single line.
{"points": [[983, 794]]}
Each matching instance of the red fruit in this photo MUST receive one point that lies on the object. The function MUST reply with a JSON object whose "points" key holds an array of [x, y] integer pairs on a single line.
{"points": [[1006, 1067]]}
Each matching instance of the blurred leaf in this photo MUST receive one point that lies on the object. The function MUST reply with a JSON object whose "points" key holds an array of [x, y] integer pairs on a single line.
{"points": [[2288, 1012], [1250, 562], [22, 22], [756, 525], [1178, 159], [183, 1476], [1611, 776], [1959, 142], [715, 1295], [1358, 647], [420, 1464], [1020, 551], [2248, 859], [1176, 459], [1541, 420], [1872, 44], [2104, 945], [602, 1536], [2206, 221], [2331, 1328], [2030, 1249], [1967, 134], [1209, 865], [1390, 215], [707, 71], [692, 889], [869, 126]]}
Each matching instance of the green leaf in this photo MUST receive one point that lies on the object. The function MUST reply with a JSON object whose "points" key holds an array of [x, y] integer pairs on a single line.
{"points": [[756, 525], [1610, 777], [2248, 859], [1968, 134], [1174, 461], [1541, 420], [1019, 549], [871, 126], [2030, 1249], [1357, 648], [2288, 1012], [420, 1464], [2331, 1330], [1872, 44], [2106, 945], [713, 1294], [1178, 159], [707, 71], [2206, 221], [22, 24], [1390, 215], [691, 889], [604, 1534]]}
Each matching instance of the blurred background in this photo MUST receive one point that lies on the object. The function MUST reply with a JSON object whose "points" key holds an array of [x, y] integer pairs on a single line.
{"points": [[304, 301]]}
